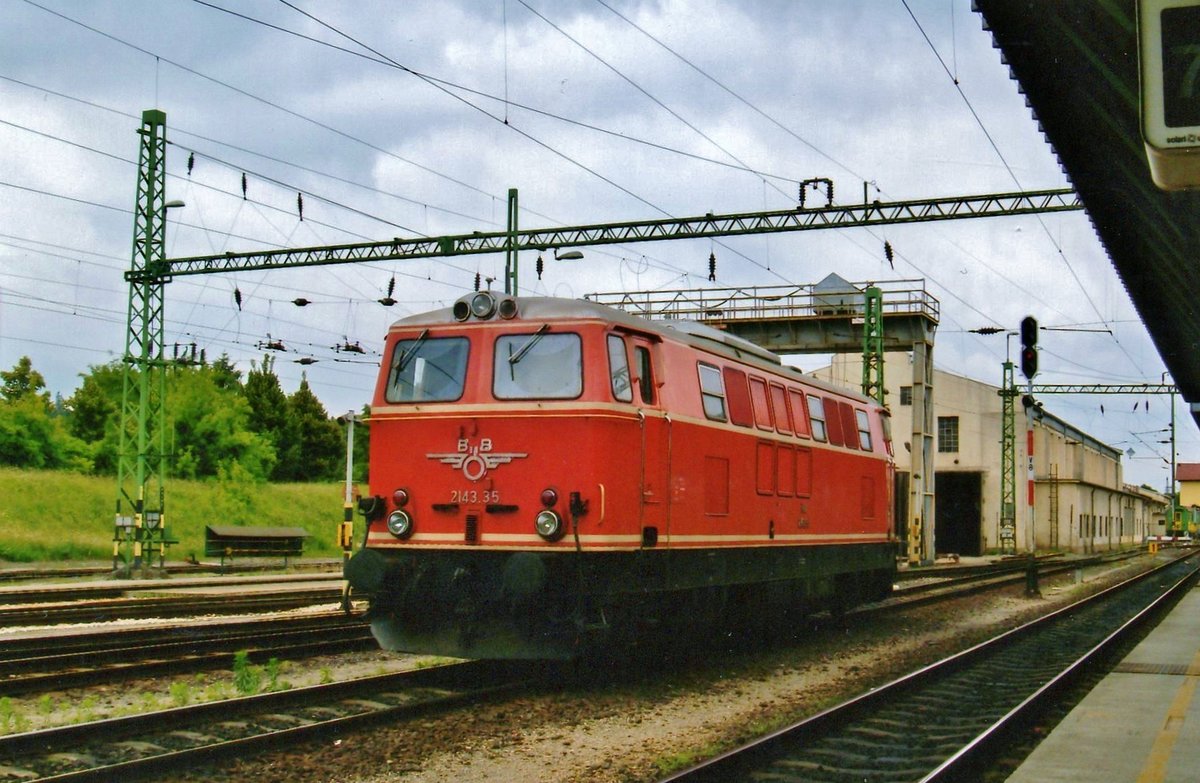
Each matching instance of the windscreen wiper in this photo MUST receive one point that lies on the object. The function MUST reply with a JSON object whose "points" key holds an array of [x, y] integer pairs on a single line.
{"points": [[409, 355], [532, 341]]}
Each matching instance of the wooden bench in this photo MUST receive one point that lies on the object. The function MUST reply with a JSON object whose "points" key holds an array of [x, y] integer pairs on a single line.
{"points": [[230, 541]]}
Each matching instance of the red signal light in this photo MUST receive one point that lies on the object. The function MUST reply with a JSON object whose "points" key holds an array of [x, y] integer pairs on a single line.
{"points": [[1029, 361], [549, 497], [400, 498]]}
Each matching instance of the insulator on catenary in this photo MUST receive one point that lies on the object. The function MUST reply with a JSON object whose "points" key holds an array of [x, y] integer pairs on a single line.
{"points": [[477, 281], [191, 162], [712, 267], [305, 360], [391, 286], [301, 302], [889, 254], [540, 266], [237, 298], [243, 186], [300, 205]]}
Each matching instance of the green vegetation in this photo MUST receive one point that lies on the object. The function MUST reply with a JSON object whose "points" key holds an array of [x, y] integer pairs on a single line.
{"points": [[248, 679], [50, 516], [241, 454]]}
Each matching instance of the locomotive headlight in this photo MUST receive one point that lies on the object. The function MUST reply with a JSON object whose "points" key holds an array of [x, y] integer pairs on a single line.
{"points": [[548, 525], [483, 304], [400, 524]]}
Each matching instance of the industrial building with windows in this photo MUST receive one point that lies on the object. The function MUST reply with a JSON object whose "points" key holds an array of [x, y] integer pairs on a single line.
{"points": [[1081, 503]]}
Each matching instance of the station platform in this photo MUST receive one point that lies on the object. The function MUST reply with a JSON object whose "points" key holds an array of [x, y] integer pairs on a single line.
{"points": [[1141, 724]]}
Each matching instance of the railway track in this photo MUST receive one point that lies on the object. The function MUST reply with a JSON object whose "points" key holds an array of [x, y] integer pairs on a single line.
{"points": [[83, 606], [947, 720], [55, 662], [123, 748], [34, 573]]}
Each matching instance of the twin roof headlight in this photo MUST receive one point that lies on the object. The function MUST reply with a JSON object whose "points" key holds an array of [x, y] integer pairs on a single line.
{"points": [[483, 305]]}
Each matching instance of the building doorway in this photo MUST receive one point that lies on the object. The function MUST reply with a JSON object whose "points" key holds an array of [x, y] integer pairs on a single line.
{"points": [[959, 503]]}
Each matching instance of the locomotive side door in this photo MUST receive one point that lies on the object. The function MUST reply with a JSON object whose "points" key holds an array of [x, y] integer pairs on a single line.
{"points": [[656, 440]]}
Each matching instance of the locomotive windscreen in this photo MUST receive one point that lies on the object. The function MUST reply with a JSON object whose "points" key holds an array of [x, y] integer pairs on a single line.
{"points": [[428, 370], [538, 366]]}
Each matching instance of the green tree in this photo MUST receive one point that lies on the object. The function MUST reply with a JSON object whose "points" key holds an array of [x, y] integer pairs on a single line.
{"points": [[23, 381], [269, 414], [226, 373], [94, 405], [210, 428], [319, 445], [30, 436]]}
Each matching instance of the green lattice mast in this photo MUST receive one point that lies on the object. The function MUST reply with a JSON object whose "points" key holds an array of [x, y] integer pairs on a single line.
{"points": [[138, 531]]}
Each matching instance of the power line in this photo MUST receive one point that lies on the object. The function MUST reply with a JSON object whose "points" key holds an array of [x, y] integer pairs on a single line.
{"points": [[734, 94], [1012, 174]]}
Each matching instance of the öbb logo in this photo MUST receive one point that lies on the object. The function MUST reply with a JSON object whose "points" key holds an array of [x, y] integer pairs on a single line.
{"points": [[475, 461]]}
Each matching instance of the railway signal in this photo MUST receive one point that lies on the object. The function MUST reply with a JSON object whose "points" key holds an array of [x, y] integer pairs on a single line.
{"points": [[1029, 354]]}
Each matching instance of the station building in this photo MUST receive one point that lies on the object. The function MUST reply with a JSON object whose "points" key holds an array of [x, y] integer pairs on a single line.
{"points": [[1081, 503]]}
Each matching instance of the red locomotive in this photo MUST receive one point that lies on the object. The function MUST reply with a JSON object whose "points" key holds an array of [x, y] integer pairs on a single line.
{"points": [[553, 475]]}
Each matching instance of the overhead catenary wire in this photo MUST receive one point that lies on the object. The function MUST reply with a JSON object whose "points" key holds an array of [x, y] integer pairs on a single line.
{"points": [[1012, 174]]}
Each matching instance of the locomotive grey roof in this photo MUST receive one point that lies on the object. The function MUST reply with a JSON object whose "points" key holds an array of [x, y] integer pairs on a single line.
{"points": [[533, 308], [694, 333]]}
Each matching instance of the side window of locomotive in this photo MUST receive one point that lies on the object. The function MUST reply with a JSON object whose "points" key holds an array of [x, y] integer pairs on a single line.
{"points": [[427, 369], [645, 373], [864, 430], [712, 392], [783, 417], [762, 404], [618, 369], [738, 396], [538, 366], [799, 413], [816, 417]]}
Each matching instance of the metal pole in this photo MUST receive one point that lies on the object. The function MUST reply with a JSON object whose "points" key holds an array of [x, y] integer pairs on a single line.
{"points": [[346, 528], [1172, 492], [510, 246]]}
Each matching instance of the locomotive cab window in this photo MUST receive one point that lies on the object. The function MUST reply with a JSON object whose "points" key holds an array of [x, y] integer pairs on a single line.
{"points": [[618, 369], [712, 392], [427, 369], [538, 366]]}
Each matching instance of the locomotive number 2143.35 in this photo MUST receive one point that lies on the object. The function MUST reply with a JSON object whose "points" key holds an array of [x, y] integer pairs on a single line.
{"points": [[475, 496]]}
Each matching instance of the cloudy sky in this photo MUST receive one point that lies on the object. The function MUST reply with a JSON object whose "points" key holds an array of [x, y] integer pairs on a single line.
{"points": [[408, 119]]}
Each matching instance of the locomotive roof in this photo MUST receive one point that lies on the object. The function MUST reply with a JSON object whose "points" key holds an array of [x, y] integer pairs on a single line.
{"points": [[694, 333]]}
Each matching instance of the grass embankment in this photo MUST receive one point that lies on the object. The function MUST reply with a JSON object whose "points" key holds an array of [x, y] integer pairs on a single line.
{"points": [[52, 516]]}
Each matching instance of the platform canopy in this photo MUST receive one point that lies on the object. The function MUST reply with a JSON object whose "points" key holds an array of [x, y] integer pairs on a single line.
{"points": [[1077, 63]]}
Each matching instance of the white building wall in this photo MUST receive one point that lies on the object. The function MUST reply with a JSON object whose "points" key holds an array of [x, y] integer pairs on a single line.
{"points": [[1095, 511]]}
